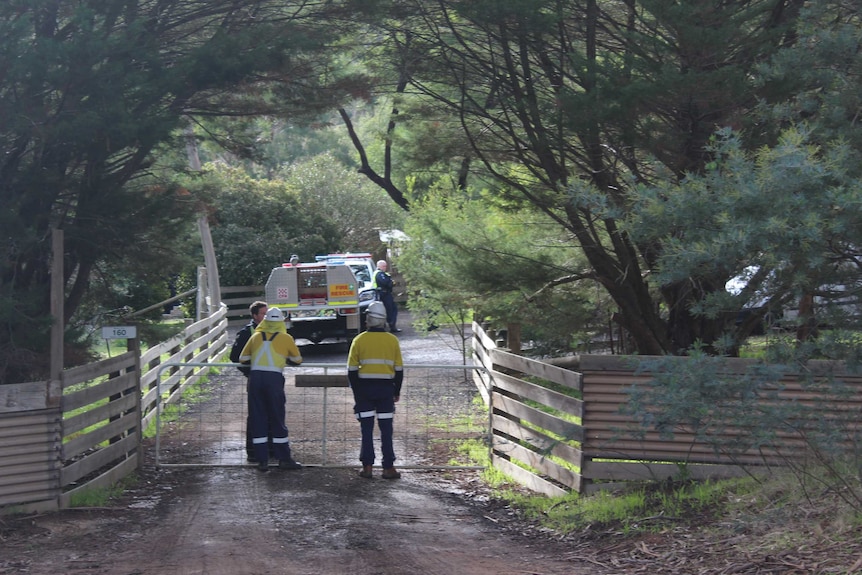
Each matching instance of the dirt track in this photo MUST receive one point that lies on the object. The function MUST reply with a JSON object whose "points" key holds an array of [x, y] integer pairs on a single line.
{"points": [[316, 521], [235, 520]]}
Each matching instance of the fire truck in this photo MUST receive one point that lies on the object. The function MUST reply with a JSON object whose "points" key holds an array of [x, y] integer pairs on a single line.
{"points": [[324, 300]]}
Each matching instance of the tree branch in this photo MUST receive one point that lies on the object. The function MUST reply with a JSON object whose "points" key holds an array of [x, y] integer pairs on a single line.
{"points": [[587, 275], [366, 169]]}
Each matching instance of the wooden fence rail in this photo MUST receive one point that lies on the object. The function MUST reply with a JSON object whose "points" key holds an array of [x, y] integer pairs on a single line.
{"points": [[101, 424], [554, 429], [203, 340], [533, 424], [50, 451], [557, 430]]}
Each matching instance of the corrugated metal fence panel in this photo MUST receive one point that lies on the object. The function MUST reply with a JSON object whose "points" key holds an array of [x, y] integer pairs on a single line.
{"points": [[103, 418], [611, 435], [612, 448], [30, 460]]}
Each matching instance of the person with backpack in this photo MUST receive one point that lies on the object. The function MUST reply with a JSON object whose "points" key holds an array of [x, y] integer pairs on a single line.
{"points": [[258, 311], [267, 352]]}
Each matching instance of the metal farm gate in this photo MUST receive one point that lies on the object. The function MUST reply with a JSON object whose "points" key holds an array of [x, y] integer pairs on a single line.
{"points": [[439, 409]]}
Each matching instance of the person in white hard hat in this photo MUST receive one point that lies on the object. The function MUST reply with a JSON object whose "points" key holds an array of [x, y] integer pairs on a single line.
{"points": [[258, 311], [375, 372], [268, 350]]}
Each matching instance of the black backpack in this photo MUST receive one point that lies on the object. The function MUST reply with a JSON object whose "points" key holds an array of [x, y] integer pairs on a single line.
{"points": [[242, 337]]}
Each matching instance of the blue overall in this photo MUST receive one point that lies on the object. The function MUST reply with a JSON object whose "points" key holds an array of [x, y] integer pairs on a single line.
{"points": [[266, 411], [384, 285], [375, 399], [375, 371]]}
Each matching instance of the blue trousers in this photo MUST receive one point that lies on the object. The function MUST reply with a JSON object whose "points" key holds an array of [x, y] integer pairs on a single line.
{"points": [[388, 301], [249, 444], [266, 413], [375, 400]]}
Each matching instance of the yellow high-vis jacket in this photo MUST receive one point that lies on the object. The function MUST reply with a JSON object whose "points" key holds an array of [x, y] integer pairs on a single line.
{"points": [[376, 356], [270, 351]]}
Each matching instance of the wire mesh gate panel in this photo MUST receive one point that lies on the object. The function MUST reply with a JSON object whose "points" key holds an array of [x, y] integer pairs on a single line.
{"points": [[439, 408]]}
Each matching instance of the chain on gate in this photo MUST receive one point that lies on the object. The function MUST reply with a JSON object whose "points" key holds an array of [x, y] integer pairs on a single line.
{"points": [[439, 410]]}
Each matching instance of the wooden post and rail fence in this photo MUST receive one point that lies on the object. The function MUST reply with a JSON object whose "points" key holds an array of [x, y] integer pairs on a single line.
{"points": [[558, 430], [85, 430], [551, 428]]}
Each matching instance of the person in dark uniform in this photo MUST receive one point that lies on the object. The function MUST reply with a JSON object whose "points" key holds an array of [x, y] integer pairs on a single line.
{"points": [[258, 311], [375, 372], [383, 285], [268, 350]]}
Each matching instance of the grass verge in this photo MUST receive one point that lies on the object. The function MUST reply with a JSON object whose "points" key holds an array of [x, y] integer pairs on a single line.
{"points": [[101, 496], [768, 515]]}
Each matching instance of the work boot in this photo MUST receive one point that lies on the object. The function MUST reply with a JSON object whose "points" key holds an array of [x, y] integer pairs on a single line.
{"points": [[366, 472], [289, 464], [391, 473], [263, 466]]}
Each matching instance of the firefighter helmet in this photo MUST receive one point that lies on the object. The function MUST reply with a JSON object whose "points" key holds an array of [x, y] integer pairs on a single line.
{"points": [[376, 314]]}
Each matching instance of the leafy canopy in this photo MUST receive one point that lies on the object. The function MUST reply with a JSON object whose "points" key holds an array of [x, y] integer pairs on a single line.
{"points": [[89, 90]]}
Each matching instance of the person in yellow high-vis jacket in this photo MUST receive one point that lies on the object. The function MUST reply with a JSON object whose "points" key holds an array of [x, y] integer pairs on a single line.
{"points": [[258, 311], [375, 371], [268, 350]]}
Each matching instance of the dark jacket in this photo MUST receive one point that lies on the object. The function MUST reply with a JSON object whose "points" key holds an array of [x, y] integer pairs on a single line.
{"points": [[383, 282], [242, 336]]}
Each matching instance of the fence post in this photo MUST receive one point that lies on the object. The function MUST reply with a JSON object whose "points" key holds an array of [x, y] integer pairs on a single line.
{"points": [[134, 345], [202, 293], [54, 393], [513, 337]]}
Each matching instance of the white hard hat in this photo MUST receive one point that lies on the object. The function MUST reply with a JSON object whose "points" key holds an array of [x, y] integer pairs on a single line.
{"points": [[376, 314], [274, 314]]}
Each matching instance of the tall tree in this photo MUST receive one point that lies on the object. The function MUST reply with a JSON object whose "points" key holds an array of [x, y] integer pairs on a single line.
{"points": [[88, 90], [572, 104], [785, 217]]}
